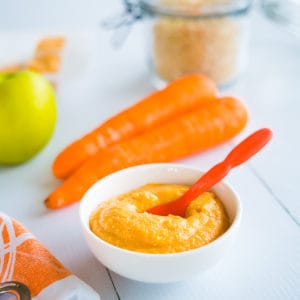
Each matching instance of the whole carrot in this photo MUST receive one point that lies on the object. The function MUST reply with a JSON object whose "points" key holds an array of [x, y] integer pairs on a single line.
{"points": [[181, 96], [210, 125]]}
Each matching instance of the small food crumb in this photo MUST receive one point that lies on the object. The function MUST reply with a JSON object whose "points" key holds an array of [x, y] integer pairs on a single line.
{"points": [[45, 59]]}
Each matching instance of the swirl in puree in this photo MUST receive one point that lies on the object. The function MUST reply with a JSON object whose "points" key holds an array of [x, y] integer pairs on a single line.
{"points": [[124, 222]]}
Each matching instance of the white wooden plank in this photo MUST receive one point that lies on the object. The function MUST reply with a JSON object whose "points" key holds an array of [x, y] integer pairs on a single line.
{"points": [[271, 90], [264, 263]]}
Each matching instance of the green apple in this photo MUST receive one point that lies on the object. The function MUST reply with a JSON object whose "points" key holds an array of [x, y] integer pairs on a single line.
{"points": [[27, 115]]}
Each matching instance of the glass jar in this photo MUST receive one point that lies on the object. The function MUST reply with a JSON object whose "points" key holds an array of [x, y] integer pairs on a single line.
{"points": [[196, 36]]}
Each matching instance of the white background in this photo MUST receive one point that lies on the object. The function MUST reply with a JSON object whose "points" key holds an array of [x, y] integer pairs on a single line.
{"points": [[265, 262]]}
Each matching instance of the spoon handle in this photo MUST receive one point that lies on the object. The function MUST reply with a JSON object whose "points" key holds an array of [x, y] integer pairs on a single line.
{"points": [[241, 153], [248, 147]]}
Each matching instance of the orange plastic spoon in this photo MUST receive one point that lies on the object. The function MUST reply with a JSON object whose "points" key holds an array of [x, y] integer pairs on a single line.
{"points": [[240, 153]]}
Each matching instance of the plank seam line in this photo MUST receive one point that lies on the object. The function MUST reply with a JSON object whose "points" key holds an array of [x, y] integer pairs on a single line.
{"points": [[269, 189], [113, 284]]}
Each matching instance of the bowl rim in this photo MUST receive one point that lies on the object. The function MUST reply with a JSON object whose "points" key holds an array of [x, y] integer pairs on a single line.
{"points": [[235, 222]]}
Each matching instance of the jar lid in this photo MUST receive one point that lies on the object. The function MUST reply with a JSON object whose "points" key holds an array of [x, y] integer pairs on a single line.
{"points": [[195, 8], [136, 10]]}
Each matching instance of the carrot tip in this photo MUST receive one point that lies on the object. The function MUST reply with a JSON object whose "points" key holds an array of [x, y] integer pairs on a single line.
{"points": [[48, 204]]}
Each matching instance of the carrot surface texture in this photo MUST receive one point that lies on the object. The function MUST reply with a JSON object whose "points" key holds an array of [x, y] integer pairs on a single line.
{"points": [[214, 123], [178, 98]]}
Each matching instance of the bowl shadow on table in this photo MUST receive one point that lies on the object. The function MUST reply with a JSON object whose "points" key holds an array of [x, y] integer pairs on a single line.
{"points": [[125, 284], [145, 286]]}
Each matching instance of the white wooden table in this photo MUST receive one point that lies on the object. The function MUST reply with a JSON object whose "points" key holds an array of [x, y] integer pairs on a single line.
{"points": [[265, 262]]}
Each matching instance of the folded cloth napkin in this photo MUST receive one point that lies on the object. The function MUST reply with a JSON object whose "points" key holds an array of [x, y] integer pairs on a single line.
{"points": [[24, 259]]}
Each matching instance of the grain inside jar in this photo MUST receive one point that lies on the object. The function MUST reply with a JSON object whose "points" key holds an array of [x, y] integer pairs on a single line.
{"points": [[184, 45]]}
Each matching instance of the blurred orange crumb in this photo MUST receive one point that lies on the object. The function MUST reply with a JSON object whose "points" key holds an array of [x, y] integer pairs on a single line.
{"points": [[46, 58], [50, 44], [46, 63]]}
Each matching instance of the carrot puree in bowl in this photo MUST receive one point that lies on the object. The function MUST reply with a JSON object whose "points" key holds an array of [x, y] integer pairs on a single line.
{"points": [[123, 221]]}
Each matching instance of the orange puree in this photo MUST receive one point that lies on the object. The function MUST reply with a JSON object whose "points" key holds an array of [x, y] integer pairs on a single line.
{"points": [[123, 222]]}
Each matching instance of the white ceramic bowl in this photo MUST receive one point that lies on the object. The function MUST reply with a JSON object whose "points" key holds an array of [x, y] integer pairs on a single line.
{"points": [[157, 268]]}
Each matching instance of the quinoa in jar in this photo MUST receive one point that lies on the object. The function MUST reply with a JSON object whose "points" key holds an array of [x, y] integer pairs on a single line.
{"points": [[196, 36]]}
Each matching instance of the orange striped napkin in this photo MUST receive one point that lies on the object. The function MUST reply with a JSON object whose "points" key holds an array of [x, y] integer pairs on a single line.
{"points": [[24, 259]]}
